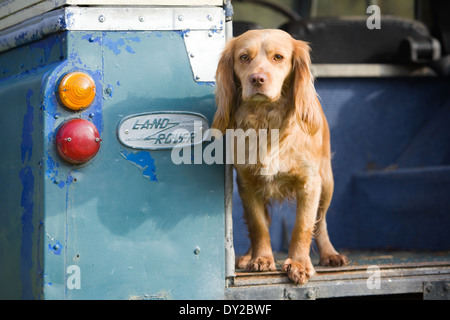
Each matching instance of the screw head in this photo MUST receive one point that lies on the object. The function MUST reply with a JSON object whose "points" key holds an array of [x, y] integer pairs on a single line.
{"points": [[310, 294]]}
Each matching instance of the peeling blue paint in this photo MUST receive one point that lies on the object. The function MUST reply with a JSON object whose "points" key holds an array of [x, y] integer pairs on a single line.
{"points": [[27, 141], [52, 172], [144, 161], [135, 39], [90, 37], [206, 83], [56, 248], [183, 33], [115, 46], [96, 107], [109, 90], [129, 49], [26, 202], [47, 46]]}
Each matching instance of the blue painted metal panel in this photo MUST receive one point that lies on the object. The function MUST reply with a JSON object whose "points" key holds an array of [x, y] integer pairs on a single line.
{"points": [[130, 223], [21, 171], [390, 139]]}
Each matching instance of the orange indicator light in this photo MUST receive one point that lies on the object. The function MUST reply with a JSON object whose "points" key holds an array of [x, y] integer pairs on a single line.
{"points": [[76, 90]]}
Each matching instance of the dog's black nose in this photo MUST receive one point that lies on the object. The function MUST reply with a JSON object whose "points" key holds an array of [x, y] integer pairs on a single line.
{"points": [[258, 79]]}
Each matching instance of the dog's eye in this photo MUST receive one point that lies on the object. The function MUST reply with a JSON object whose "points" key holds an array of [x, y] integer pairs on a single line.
{"points": [[244, 57], [278, 57]]}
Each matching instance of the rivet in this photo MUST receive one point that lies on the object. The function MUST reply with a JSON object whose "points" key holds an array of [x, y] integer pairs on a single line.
{"points": [[91, 115], [210, 34], [310, 294], [192, 55], [180, 18], [69, 139], [56, 181], [292, 296], [141, 19], [197, 77], [97, 139], [91, 39], [209, 17], [127, 131], [56, 116], [101, 18], [56, 247], [197, 250]]}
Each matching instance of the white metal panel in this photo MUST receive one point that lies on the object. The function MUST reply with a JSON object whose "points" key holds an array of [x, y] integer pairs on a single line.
{"points": [[204, 49], [125, 18], [15, 11], [145, 2]]}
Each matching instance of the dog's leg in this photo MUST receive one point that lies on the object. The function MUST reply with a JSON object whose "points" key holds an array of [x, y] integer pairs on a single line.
{"points": [[258, 221], [328, 255], [298, 264]]}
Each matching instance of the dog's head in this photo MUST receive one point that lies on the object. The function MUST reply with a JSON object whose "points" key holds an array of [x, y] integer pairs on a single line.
{"points": [[265, 65]]}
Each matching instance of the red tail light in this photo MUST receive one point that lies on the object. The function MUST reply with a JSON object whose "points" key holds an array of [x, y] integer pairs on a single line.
{"points": [[77, 141]]}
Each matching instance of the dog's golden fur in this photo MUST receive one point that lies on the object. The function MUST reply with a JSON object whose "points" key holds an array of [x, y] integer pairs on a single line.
{"points": [[264, 82]]}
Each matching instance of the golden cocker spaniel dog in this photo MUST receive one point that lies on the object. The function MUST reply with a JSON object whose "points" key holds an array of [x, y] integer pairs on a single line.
{"points": [[264, 82]]}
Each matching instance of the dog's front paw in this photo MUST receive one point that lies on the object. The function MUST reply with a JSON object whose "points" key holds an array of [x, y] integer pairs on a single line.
{"points": [[261, 264], [242, 262], [334, 260], [298, 272]]}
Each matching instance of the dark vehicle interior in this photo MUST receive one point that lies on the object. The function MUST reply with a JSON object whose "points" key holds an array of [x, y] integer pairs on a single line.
{"points": [[412, 32]]}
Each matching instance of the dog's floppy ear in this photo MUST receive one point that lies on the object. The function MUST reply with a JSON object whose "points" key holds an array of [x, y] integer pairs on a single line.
{"points": [[307, 104], [226, 93]]}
